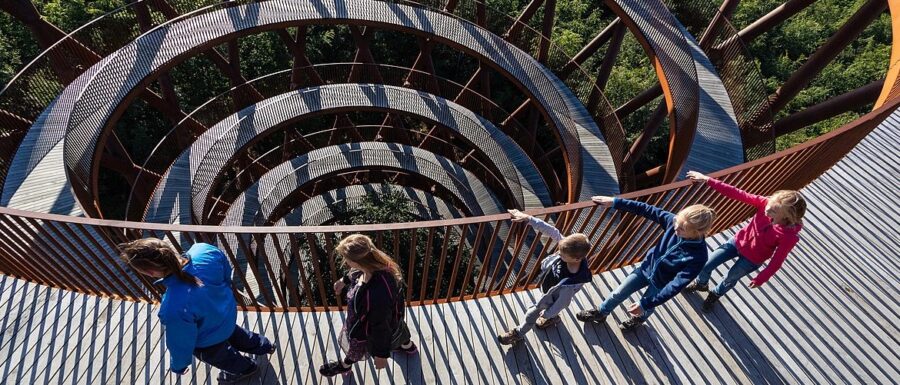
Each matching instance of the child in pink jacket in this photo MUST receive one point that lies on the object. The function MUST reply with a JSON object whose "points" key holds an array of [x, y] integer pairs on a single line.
{"points": [[772, 233]]}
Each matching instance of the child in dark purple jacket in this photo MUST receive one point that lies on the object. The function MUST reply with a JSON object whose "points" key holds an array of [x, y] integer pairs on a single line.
{"points": [[375, 323], [668, 267]]}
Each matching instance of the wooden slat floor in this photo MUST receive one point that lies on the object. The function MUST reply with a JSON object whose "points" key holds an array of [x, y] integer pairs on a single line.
{"points": [[829, 316]]}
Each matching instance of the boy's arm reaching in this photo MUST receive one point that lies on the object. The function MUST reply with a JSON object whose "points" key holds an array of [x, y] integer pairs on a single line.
{"points": [[545, 228]]}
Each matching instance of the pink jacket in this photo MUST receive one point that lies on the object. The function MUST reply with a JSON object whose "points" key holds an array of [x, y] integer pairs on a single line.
{"points": [[760, 239]]}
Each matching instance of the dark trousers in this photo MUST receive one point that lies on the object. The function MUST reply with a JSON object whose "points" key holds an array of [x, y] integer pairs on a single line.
{"points": [[227, 356]]}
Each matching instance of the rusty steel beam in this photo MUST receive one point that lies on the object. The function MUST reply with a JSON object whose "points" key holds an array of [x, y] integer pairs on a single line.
{"points": [[612, 53], [605, 35], [13, 122], [640, 144], [639, 101], [297, 46], [524, 17], [712, 31], [145, 23], [826, 53], [829, 108], [224, 65], [771, 19], [47, 35], [546, 31]]}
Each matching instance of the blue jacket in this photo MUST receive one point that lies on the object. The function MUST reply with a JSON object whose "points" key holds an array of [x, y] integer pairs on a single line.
{"points": [[198, 317], [673, 262]]}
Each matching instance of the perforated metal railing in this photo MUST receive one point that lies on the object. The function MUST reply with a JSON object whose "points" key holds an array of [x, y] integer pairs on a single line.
{"points": [[26, 98], [219, 107], [442, 260], [738, 72]]}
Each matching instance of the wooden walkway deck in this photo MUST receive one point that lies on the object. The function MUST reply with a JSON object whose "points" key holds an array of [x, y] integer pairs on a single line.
{"points": [[828, 317]]}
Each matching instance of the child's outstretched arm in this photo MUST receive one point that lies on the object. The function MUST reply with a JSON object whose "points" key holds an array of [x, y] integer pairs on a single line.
{"points": [[728, 190], [653, 213], [539, 225], [775, 263]]}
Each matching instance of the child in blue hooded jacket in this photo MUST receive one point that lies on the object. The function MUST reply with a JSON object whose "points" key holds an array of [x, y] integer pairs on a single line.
{"points": [[668, 267], [198, 308]]}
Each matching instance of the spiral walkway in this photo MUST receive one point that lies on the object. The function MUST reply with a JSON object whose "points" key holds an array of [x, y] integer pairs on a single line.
{"points": [[827, 317]]}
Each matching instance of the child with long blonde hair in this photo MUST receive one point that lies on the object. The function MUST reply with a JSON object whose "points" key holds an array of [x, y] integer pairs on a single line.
{"points": [[375, 324], [772, 233], [198, 309]]}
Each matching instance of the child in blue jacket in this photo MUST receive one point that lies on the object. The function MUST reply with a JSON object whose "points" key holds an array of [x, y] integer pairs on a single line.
{"points": [[198, 308], [668, 267]]}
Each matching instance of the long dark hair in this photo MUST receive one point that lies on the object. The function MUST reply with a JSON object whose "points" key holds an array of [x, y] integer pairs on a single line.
{"points": [[156, 254]]}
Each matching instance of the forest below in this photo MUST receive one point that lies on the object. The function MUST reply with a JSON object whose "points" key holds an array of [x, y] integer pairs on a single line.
{"points": [[775, 54]]}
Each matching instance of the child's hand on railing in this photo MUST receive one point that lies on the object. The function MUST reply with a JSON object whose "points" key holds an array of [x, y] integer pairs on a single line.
{"points": [[339, 286], [697, 177], [518, 216], [602, 200]]}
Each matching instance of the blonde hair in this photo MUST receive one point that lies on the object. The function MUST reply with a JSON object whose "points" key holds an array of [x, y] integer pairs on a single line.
{"points": [[699, 217], [156, 254], [360, 249], [791, 204], [575, 246]]}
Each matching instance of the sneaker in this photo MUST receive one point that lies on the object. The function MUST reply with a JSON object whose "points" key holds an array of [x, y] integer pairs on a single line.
{"points": [[509, 337], [231, 378], [334, 368], [412, 349], [696, 286], [710, 302], [591, 316], [543, 323], [631, 323]]}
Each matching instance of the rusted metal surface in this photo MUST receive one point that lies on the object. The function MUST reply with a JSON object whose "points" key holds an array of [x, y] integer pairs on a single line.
{"points": [[488, 261]]}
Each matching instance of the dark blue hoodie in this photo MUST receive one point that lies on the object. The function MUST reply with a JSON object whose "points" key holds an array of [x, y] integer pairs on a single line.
{"points": [[673, 262]]}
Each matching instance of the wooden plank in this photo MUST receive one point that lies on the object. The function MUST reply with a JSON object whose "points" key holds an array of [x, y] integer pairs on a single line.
{"points": [[492, 324], [78, 357], [637, 344], [18, 328], [527, 357], [103, 359], [468, 365], [136, 339], [595, 348], [437, 365]]}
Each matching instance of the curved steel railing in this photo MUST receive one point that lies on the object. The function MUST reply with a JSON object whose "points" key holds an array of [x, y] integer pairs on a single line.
{"points": [[440, 259]]}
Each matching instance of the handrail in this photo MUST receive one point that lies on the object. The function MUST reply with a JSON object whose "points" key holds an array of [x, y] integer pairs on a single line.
{"points": [[472, 255]]}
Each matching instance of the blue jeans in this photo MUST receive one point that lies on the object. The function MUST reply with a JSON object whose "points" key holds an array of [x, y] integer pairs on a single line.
{"points": [[741, 267], [225, 355], [632, 283]]}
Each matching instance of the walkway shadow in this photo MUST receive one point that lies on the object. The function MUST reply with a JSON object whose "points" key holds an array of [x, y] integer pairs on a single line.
{"points": [[749, 357]]}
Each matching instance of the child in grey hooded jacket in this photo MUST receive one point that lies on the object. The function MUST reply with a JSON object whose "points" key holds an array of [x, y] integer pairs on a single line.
{"points": [[562, 275]]}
